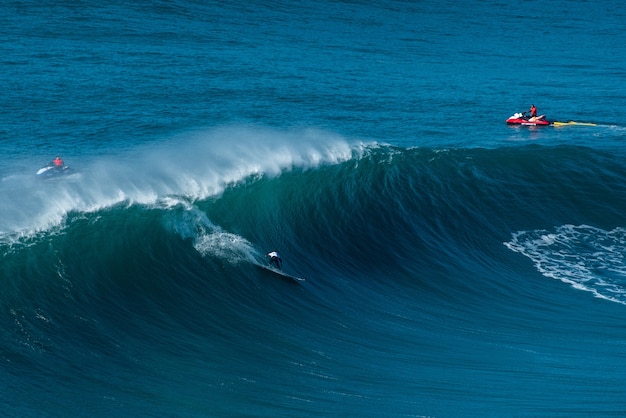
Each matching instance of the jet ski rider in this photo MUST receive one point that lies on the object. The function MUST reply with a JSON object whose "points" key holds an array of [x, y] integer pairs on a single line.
{"points": [[58, 162], [533, 111]]}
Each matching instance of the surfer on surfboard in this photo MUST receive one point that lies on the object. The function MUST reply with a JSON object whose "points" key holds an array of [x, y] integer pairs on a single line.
{"points": [[275, 260]]}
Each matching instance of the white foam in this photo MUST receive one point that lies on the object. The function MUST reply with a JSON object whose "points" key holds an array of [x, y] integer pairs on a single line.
{"points": [[189, 167], [588, 258], [208, 239]]}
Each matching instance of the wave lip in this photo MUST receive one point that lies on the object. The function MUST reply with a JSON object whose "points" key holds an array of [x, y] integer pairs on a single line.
{"points": [[192, 166]]}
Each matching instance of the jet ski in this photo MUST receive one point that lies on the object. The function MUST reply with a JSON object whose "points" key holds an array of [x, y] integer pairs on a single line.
{"points": [[51, 170], [524, 119]]}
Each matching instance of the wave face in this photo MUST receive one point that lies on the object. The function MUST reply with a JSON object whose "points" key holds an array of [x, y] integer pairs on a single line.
{"points": [[453, 265], [426, 269]]}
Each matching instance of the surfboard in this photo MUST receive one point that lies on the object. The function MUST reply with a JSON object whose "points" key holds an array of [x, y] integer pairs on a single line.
{"points": [[281, 273]]}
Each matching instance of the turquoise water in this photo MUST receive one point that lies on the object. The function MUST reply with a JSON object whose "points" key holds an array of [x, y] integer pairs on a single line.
{"points": [[454, 265]]}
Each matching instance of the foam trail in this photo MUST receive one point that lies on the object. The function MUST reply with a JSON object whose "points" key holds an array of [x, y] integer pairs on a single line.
{"points": [[585, 257], [209, 239]]}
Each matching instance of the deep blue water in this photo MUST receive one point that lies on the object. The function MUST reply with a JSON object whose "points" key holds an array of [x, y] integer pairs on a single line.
{"points": [[453, 265]]}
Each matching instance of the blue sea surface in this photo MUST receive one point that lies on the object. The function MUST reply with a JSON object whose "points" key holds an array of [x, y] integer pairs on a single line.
{"points": [[453, 265]]}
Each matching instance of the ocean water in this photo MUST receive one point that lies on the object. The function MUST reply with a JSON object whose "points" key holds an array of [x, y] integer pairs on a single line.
{"points": [[453, 265]]}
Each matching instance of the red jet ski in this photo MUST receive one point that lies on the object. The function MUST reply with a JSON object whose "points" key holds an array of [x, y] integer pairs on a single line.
{"points": [[523, 119]]}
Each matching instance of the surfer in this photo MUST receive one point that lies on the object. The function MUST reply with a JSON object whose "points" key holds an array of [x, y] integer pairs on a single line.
{"points": [[275, 259], [58, 162]]}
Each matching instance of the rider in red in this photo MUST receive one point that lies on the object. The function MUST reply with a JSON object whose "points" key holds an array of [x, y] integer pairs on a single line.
{"points": [[58, 163], [533, 111]]}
